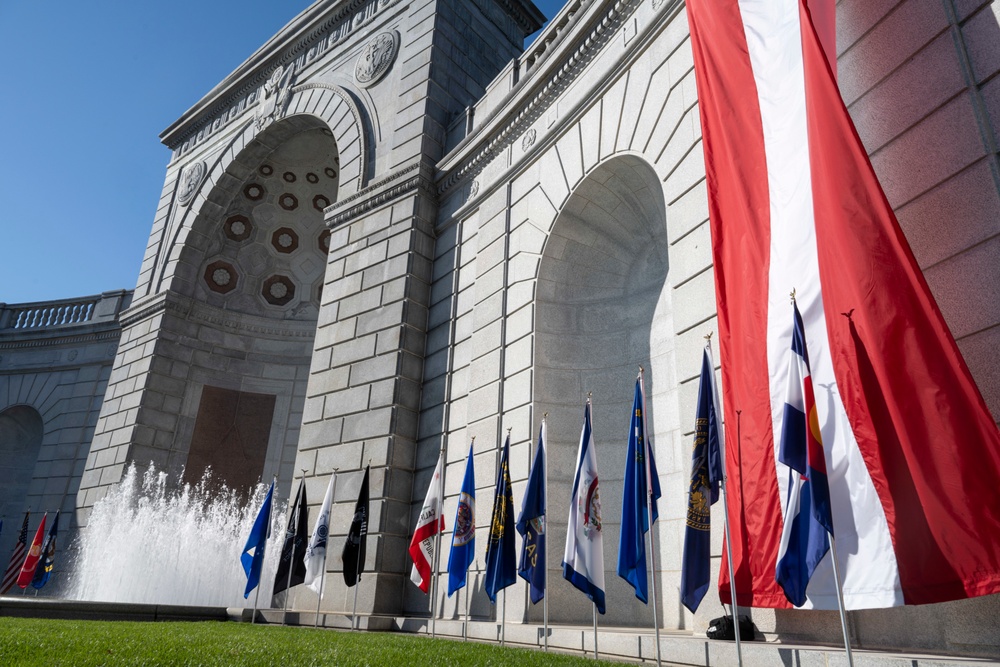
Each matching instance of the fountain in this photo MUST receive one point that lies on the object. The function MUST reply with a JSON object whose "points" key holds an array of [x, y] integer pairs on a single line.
{"points": [[146, 542]]}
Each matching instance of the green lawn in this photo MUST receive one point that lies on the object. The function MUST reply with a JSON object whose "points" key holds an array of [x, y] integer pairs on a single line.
{"points": [[35, 642]]}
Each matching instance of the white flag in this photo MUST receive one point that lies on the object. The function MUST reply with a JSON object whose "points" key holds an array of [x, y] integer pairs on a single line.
{"points": [[583, 560], [429, 524], [316, 551]]}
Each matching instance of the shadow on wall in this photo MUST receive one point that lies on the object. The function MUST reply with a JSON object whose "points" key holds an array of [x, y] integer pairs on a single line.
{"points": [[601, 299]]}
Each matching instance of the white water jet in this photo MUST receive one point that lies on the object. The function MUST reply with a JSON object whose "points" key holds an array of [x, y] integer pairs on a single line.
{"points": [[149, 544]]}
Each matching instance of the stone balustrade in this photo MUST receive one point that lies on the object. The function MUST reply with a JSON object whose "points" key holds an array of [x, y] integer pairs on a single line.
{"points": [[99, 308]]}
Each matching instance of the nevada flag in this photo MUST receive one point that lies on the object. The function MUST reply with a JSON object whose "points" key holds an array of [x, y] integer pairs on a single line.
{"points": [[807, 519]]}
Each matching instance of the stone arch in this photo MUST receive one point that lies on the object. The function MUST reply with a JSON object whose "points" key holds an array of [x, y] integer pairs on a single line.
{"points": [[311, 106], [21, 433], [602, 309]]}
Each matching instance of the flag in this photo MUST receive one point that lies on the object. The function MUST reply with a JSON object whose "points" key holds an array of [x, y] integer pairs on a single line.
{"points": [[583, 560], [807, 518], [315, 557], [635, 512], [47, 561], [27, 572], [703, 491], [501, 563], [429, 524], [257, 541], [463, 539], [16, 557], [794, 203], [357, 537], [293, 550], [531, 525]]}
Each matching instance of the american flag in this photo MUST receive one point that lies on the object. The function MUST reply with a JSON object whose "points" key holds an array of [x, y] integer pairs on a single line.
{"points": [[16, 558]]}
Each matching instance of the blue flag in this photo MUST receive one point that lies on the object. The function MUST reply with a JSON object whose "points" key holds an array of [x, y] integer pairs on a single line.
{"points": [[463, 539], [583, 559], [531, 525], [807, 518], [635, 512], [45, 564], [703, 490], [501, 563], [261, 530]]}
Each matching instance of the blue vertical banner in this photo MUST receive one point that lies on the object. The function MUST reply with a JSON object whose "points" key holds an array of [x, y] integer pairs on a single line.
{"points": [[463, 538], [635, 511], [531, 525], [703, 489], [501, 562], [253, 564]]}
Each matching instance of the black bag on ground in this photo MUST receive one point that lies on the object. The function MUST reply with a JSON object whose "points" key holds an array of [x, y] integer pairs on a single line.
{"points": [[722, 628]]}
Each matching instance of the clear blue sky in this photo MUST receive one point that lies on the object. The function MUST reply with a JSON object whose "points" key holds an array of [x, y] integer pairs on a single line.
{"points": [[86, 89]]}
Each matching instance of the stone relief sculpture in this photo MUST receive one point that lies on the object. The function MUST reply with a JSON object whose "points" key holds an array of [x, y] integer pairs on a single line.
{"points": [[275, 96], [376, 58], [190, 179]]}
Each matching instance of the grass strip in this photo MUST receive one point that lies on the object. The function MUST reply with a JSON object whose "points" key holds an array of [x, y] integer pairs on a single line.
{"points": [[61, 643]]}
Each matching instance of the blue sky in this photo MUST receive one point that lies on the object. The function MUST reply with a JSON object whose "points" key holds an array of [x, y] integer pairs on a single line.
{"points": [[87, 87]]}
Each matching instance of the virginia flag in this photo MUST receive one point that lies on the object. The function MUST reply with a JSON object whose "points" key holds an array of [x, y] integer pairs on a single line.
{"points": [[635, 512], [531, 525], [807, 518], [47, 561], [501, 564], [583, 560], [34, 554], [16, 557], [463, 539], [257, 541], [315, 558], [794, 202], [429, 524], [293, 550], [703, 490], [357, 537]]}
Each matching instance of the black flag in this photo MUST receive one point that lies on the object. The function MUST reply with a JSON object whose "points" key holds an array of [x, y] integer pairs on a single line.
{"points": [[354, 548], [293, 551]]}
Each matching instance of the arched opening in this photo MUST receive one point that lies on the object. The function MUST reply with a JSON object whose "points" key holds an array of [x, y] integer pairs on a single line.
{"points": [[603, 309], [21, 431], [253, 267]]}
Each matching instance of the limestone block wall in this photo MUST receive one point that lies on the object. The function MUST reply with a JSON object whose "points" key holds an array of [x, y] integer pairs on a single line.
{"points": [[55, 362]]}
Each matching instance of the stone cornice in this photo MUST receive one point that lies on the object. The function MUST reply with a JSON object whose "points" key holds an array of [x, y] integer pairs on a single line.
{"points": [[111, 332], [190, 309], [535, 93], [308, 36], [416, 176]]}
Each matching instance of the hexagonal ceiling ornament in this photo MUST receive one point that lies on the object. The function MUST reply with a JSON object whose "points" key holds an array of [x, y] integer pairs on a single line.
{"points": [[221, 277], [285, 240], [278, 290]]}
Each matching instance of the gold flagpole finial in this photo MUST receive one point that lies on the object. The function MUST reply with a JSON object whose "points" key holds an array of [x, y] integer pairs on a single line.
{"points": [[708, 336], [509, 428], [792, 295], [545, 416], [473, 438]]}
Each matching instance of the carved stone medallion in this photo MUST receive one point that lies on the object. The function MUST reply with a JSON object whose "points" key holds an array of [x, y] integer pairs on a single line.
{"points": [[190, 179], [376, 58], [529, 139]]}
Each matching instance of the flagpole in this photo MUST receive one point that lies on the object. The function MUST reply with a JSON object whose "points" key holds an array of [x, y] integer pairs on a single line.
{"points": [[840, 601], [256, 597], [503, 618], [594, 604], [725, 516], [322, 575], [465, 628], [590, 402], [545, 555], [436, 575], [357, 576], [291, 555], [649, 507]]}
